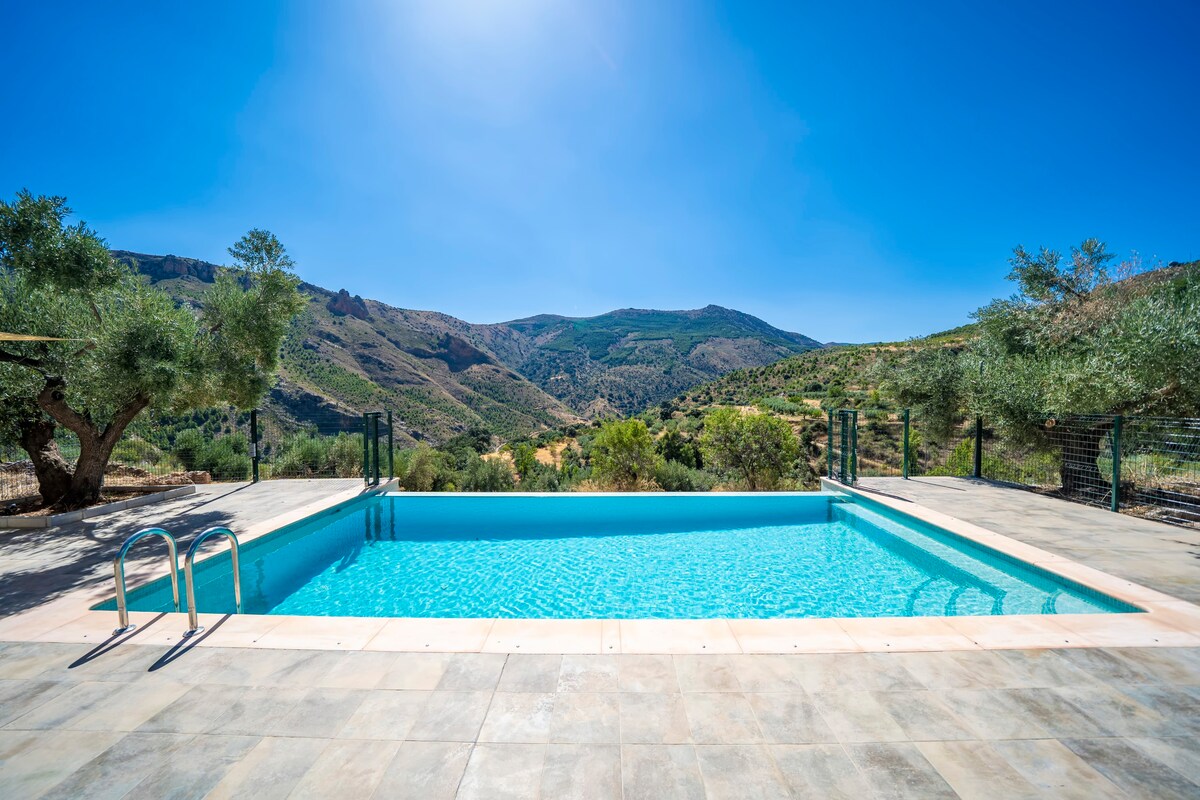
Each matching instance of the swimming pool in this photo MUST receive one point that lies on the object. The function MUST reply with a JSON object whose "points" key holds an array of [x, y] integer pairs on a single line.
{"points": [[578, 556]]}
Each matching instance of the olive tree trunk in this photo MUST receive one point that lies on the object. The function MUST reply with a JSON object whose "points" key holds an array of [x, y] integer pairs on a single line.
{"points": [[52, 471], [95, 447], [1079, 442]]}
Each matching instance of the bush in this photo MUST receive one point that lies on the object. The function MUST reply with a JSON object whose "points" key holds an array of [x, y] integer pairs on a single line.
{"points": [[306, 455], [779, 405], [623, 454], [487, 475], [225, 458], [345, 455], [418, 470], [135, 450], [673, 476], [756, 448]]}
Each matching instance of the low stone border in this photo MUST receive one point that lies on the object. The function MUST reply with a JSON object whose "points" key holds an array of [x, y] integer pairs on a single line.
{"points": [[54, 520]]}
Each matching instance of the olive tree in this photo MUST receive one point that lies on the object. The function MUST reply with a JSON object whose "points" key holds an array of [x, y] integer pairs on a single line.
{"points": [[1078, 342], [623, 454], [115, 346], [758, 448]]}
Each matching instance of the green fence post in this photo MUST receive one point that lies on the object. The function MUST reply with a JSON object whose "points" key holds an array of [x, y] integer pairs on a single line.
{"points": [[391, 463], [843, 446], [829, 446], [977, 472], [1116, 464], [254, 443], [854, 446], [905, 467], [375, 444], [366, 450]]}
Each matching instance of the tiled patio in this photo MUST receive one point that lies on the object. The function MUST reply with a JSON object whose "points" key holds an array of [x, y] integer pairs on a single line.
{"points": [[144, 716], [217, 722]]}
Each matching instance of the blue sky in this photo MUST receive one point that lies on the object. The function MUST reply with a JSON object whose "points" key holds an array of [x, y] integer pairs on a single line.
{"points": [[853, 172]]}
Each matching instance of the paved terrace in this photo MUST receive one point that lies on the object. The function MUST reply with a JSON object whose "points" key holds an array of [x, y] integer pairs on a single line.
{"points": [[136, 722], [119, 719], [1160, 556]]}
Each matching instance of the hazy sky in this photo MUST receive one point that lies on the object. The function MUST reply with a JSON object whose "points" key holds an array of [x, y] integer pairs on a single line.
{"points": [[851, 171]]}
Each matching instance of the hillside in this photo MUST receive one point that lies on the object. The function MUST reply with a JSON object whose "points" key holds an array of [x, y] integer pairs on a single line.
{"points": [[842, 371], [441, 375], [849, 371], [628, 359]]}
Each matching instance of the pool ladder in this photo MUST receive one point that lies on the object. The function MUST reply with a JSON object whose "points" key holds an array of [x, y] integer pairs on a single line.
{"points": [[194, 626]]}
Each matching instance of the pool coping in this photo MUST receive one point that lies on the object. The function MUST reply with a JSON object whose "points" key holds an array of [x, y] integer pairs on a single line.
{"points": [[1164, 622]]}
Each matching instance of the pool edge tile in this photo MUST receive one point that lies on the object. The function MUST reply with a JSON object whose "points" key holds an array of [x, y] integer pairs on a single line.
{"points": [[792, 636], [677, 636], [541, 636], [431, 635]]}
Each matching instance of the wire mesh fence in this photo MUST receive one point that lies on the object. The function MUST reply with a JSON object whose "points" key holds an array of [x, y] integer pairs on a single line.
{"points": [[1153, 462], [217, 445]]}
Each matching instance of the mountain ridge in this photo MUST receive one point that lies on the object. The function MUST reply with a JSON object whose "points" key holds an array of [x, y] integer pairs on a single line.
{"points": [[443, 374]]}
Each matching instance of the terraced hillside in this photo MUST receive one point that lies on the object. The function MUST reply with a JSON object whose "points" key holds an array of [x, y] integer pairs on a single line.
{"points": [[628, 359]]}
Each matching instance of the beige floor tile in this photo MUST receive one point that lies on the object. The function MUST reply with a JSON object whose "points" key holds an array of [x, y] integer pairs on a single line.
{"points": [[270, 771], [1126, 630], [346, 769], [503, 772], [582, 772], [518, 717], [425, 771]]}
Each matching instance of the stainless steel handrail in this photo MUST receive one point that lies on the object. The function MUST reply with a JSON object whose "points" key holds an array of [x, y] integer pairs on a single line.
{"points": [[193, 616], [119, 573]]}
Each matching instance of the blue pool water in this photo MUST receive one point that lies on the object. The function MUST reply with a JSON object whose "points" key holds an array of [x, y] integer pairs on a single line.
{"points": [[628, 557]]}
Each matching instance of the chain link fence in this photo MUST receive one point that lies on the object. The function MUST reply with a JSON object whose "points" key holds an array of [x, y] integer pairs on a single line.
{"points": [[1153, 462]]}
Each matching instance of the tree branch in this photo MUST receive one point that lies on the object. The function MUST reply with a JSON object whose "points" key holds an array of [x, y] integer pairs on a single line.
{"points": [[24, 361], [124, 416], [53, 401]]}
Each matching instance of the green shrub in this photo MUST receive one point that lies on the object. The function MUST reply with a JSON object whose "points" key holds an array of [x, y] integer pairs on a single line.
{"points": [[225, 458], [487, 475], [673, 476], [134, 451]]}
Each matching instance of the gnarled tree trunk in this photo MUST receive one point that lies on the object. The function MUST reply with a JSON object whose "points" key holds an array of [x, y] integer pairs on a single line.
{"points": [[1079, 442], [51, 469], [95, 445]]}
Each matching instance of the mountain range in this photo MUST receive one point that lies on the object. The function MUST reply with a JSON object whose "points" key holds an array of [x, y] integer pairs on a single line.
{"points": [[441, 375]]}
